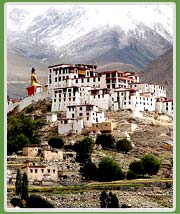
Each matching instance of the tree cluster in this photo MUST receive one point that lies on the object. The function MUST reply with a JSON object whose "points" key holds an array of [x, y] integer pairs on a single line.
{"points": [[21, 130], [148, 165], [107, 141]]}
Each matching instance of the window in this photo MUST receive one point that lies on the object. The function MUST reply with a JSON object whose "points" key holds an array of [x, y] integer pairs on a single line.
{"points": [[129, 102], [54, 100], [72, 115], [76, 81], [31, 170], [98, 79], [59, 78], [80, 108], [54, 170], [42, 170], [69, 90], [80, 114], [82, 80], [48, 170], [124, 103], [94, 79], [87, 79], [87, 113], [35, 170], [56, 79], [87, 118]]}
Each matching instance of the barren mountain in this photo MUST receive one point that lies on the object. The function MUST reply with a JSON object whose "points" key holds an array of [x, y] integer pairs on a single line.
{"points": [[161, 71]]}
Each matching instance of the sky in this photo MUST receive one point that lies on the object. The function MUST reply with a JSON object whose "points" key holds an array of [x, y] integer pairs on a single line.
{"points": [[108, 12]]}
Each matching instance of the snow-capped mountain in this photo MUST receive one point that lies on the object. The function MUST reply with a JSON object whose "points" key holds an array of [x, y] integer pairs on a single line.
{"points": [[103, 34]]}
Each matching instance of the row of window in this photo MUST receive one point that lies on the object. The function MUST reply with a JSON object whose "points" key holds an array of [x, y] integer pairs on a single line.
{"points": [[42, 170], [125, 103]]}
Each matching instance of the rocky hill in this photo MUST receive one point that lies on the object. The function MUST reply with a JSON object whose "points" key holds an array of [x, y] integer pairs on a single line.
{"points": [[152, 133]]}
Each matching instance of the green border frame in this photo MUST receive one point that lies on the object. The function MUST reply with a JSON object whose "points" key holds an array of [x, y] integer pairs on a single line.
{"points": [[2, 101]]}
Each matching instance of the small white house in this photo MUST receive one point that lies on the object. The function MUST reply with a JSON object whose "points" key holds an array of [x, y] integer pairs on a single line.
{"points": [[67, 126], [51, 117]]}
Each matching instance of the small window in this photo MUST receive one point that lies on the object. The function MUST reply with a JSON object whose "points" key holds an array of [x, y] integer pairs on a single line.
{"points": [[42, 170], [87, 79], [31, 170], [48, 170], [76, 81], [80, 114], [87, 118], [59, 78], [54, 170], [35, 170], [80, 108], [56, 79]]}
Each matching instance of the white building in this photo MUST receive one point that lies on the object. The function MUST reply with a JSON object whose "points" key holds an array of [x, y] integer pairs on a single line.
{"points": [[76, 86], [71, 125], [163, 105]]}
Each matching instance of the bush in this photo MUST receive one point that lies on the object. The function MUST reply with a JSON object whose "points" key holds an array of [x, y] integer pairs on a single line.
{"points": [[56, 142], [84, 149], [131, 175], [151, 164], [35, 201], [136, 167], [109, 170], [16, 202], [106, 141], [124, 146]]}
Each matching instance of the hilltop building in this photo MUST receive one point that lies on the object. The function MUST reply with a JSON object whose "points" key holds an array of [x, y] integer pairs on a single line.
{"points": [[79, 89]]}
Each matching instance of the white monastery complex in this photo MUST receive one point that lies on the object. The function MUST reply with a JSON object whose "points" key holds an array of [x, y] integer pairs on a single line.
{"points": [[85, 95]]}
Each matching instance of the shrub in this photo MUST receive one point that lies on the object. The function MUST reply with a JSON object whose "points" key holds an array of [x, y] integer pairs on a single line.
{"points": [[89, 170], [106, 141], [16, 202], [84, 149], [131, 175], [35, 201], [151, 164], [136, 167], [109, 170], [56, 142], [124, 146]]}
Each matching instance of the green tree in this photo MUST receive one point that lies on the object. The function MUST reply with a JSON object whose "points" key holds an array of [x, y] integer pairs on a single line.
{"points": [[56, 142], [106, 141], [109, 170], [151, 164], [84, 149], [24, 186], [136, 167], [89, 170], [108, 200], [113, 201], [124, 146], [18, 185]]}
